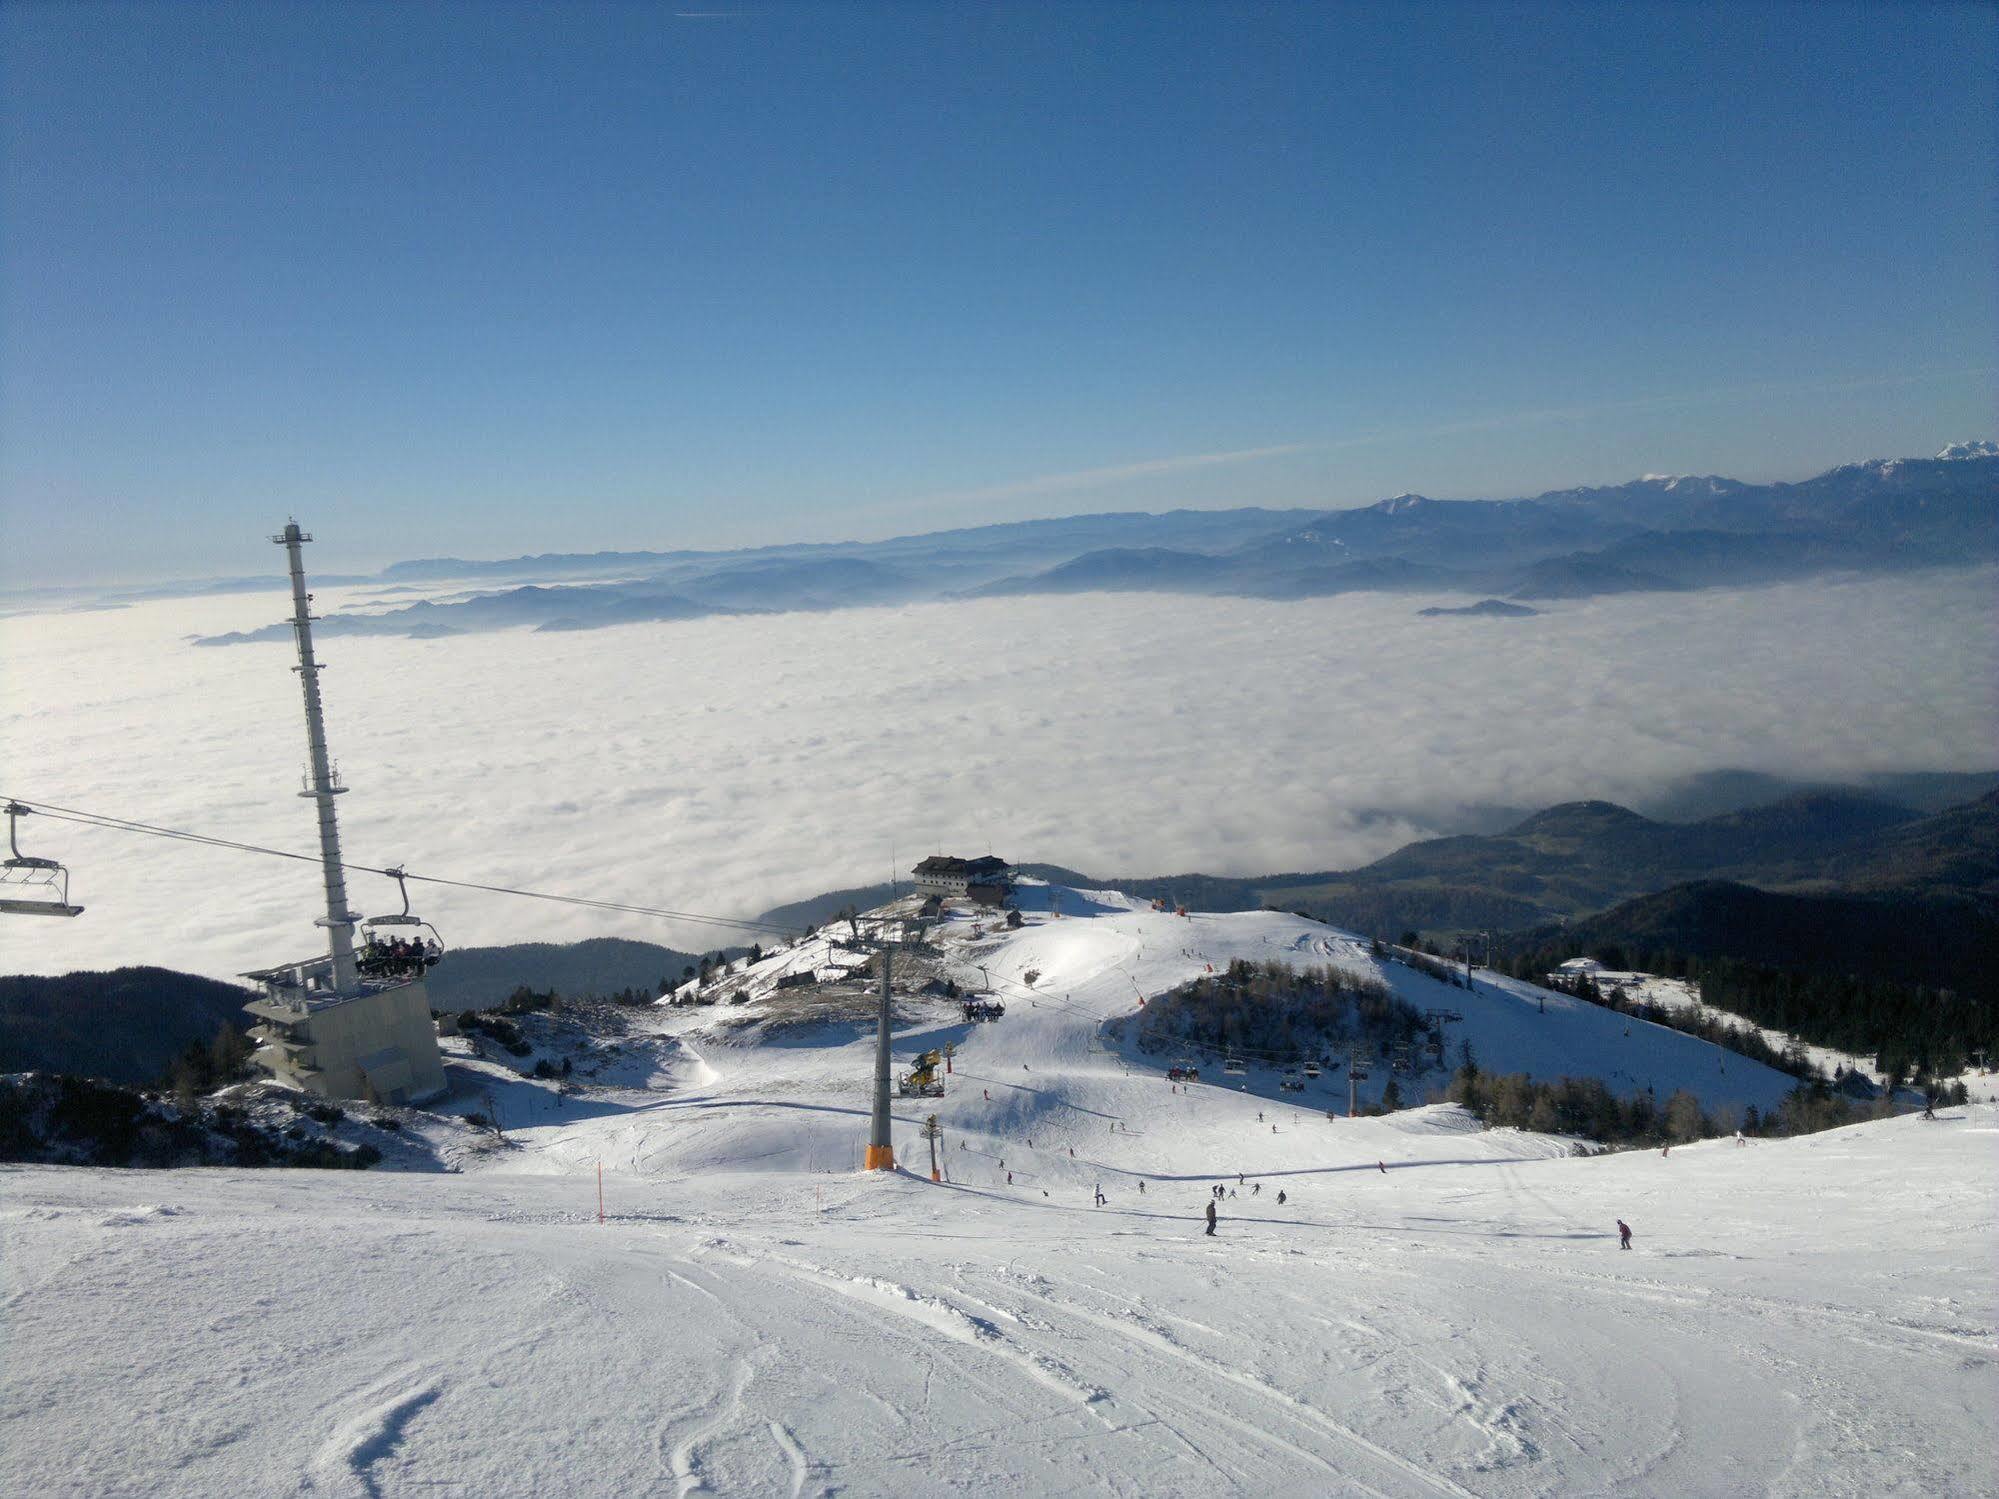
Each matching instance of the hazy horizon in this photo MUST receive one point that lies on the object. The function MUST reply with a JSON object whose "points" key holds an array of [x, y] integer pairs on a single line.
{"points": [[250, 553]]}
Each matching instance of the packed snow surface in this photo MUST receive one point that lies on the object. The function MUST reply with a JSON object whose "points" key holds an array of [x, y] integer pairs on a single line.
{"points": [[1434, 1310]]}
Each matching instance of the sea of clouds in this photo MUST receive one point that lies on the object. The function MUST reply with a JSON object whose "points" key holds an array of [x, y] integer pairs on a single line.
{"points": [[725, 765]]}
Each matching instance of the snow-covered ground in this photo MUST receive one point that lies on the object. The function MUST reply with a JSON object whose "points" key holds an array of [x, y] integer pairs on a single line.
{"points": [[1434, 1309]]}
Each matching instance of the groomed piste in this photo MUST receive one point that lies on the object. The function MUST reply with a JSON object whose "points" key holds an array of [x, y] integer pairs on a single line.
{"points": [[1434, 1308]]}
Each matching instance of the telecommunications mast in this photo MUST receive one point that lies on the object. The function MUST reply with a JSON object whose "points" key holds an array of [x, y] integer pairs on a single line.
{"points": [[338, 920]]}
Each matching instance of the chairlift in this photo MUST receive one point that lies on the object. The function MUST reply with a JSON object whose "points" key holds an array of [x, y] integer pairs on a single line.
{"points": [[44, 882], [1311, 1069], [1233, 1066], [385, 953]]}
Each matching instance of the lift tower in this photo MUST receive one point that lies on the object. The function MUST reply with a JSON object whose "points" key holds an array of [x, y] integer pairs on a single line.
{"points": [[338, 920], [881, 1149]]}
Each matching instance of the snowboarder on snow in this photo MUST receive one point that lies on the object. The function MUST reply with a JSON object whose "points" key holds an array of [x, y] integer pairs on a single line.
{"points": [[1141, 1189], [1280, 1199], [1623, 1234], [1211, 1217]]}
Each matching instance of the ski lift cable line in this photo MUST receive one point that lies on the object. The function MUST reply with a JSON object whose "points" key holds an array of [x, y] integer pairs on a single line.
{"points": [[127, 825]]}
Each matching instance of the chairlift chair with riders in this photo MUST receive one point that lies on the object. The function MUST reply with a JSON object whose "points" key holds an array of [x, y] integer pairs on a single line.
{"points": [[385, 952], [1233, 1066], [44, 883], [1311, 1069]]}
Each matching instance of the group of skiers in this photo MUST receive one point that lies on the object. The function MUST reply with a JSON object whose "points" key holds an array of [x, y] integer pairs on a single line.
{"points": [[393, 955], [1221, 1190]]}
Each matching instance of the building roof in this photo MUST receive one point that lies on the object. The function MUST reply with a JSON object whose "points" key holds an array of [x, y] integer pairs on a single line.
{"points": [[984, 865]]}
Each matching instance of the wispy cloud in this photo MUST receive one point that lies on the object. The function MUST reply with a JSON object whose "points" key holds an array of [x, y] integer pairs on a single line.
{"points": [[1665, 401], [1117, 473]]}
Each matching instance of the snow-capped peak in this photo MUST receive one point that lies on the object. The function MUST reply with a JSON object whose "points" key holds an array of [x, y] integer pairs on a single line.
{"points": [[1971, 450]]}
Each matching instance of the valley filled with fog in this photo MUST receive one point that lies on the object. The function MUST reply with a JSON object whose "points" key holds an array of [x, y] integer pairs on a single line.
{"points": [[729, 763]]}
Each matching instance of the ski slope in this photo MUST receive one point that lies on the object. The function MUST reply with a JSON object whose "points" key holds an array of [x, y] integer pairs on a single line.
{"points": [[1435, 1309]]}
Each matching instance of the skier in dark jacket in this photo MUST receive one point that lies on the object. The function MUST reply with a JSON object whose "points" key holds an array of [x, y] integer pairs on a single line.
{"points": [[1623, 1234], [1211, 1217]]}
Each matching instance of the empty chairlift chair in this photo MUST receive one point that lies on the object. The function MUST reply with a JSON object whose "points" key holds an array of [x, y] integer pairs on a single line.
{"points": [[30, 886]]}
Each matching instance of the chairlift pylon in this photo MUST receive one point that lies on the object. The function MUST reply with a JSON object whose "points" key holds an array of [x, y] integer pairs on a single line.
{"points": [[391, 956], [26, 873]]}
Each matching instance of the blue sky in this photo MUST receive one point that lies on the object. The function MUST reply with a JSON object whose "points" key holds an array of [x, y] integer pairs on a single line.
{"points": [[477, 280]]}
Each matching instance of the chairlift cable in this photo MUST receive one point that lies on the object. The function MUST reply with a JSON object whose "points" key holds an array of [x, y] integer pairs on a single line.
{"points": [[128, 825]]}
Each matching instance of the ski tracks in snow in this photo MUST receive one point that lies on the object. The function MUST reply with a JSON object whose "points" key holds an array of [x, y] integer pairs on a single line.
{"points": [[686, 1455], [939, 1315], [370, 1435], [1193, 1385]]}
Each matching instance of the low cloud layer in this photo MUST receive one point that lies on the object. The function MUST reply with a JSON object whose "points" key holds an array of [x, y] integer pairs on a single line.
{"points": [[728, 764]]}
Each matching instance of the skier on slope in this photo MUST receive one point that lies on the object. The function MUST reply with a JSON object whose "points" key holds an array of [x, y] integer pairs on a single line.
{"points": [[1623, 1234], [1280, 1199], [1211, 1217]]}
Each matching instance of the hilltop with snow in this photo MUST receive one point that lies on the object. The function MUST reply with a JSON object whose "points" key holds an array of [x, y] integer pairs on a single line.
{"points": [[1435, 1308]]}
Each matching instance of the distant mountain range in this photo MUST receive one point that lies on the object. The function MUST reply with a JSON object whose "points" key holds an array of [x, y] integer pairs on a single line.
{"points": [[1582, 857], [1654, 534], [1569, 861]]}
